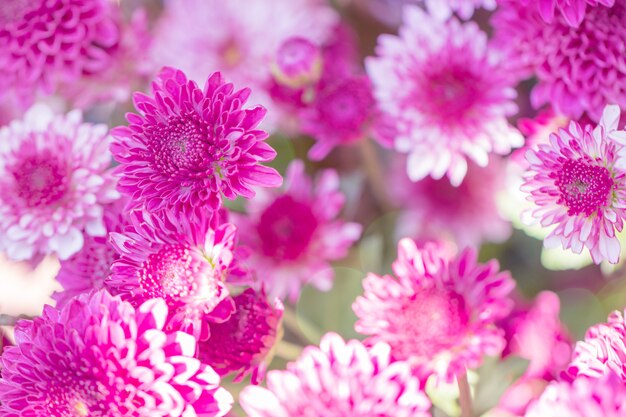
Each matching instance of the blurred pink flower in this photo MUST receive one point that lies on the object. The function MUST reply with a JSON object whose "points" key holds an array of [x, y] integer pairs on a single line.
{"points": [[537, 131], [243, 343], [189, 145], [443, 9], [339, 379], [54, 182], [445, 93], [100, 356], [573, 11], [579, 186], [293, 234], [440, 313]]}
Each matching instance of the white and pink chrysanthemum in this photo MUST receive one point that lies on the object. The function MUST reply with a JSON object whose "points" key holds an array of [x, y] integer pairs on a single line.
{"points": [[578, 69], [294, 234], [243, 344], [442, 89], [98, 356], [440, 313], [339, 379], [184, 262], [54, 182], [443, 9], [579, 186], [573, 11], [188, 145]]}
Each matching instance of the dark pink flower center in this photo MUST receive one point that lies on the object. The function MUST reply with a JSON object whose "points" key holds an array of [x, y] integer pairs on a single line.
{"points": [[286, 228], [14, 10], [584, 188], [40, 179]]}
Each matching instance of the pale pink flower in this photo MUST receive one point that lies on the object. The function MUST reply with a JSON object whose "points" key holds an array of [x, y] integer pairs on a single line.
{"points": [[443, 9], [573, 11], [294, 233], [297, 63], [578, 185], [439, 314], [54, 182], [98, 356], [444, 91], [339, 379]]}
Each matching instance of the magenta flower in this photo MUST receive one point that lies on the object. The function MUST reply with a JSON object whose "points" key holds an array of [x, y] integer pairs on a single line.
{"points": [[440, 313], [446, 95], [578, 185], [98, 356], [244, 342], [293, 234], [54, 182], [443, 9], [189, 145], [184, 262], [339, 379], [573, 11]]}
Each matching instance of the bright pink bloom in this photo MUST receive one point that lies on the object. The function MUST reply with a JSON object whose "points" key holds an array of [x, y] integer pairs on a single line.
{"points": [[573, 11], [445, 93], [443, 9], [188, 146], [98, 356], [294, 233], [184, 262], [54, 182], [339, 379], [579, 69], [243, 343], [578, 184], [440, 313]]}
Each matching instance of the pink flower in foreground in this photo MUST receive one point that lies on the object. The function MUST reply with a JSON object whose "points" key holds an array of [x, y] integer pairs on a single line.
{"points": [[243, 343], [188, 146], [181, 261], [339, 379], [54, 182], [440, 313], [443, 9], [294, 234], [573, 11], [98, 356], [445, 93], [578, 185]]}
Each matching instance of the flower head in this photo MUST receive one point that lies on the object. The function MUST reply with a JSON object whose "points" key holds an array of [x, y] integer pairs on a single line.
{"points": [[298, 63], [439, 314], [577, 185], [98, 356], [445, 93], [573, 12], [188, 146], [339, 379], [54, 182], [293, 234], [243, 343]]}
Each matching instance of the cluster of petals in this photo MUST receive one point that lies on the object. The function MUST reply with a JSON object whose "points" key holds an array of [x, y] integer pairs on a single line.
{"points": [[443, 9], [339, 379], [54, 182], [188, 146], [573, 11], [446, 95], [99, 356], [294, 233], [440, 313], [578, 185]]}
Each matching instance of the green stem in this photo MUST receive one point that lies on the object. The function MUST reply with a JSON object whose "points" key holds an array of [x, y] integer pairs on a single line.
{"points": [[465, 395]]}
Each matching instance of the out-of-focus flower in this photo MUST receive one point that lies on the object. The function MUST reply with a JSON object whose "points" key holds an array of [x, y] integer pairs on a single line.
{"points": [[579, 185], [188, 146], [182, 261], [54, 182], [339, 379], [293, 234], [446, 95], [244, 342], [100, 356], [440, 313], [298, 63], [573, 11], [443, 9], [579, 69]]}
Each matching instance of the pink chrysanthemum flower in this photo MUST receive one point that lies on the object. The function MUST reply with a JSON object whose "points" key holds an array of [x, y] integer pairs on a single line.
{"points": [[578, 183], [439, 314], [98, 356], [443, 9], [573, 11], [579, 69], [183, 262], [54, 182], [188, 146], [444, 92], [244, 342], [43, 43], [295, 233], [339, 379]]}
